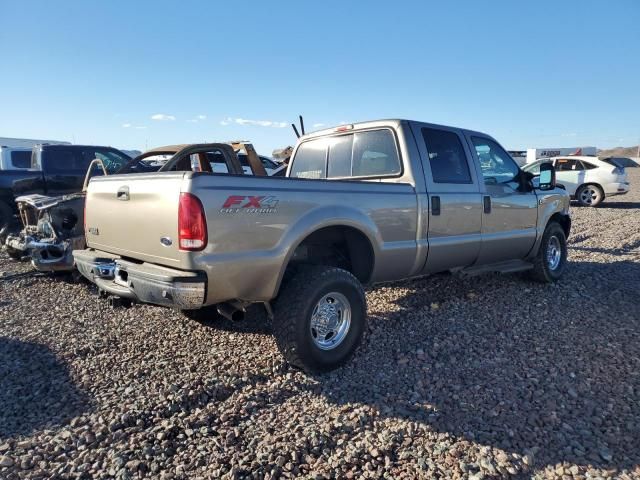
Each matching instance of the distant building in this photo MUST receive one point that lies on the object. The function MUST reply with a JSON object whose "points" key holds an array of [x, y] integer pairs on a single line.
{"points": [[534, 154], [27, 142]]}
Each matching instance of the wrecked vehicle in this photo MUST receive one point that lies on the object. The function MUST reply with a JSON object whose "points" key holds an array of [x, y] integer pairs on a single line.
{"points": [[53, 228]]}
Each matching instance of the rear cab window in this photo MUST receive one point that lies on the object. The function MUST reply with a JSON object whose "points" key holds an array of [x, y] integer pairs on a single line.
{"points": [[361, 154], [21, 159]]}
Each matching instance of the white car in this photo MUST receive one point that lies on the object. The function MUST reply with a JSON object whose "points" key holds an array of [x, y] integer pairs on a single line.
{"points": [[588, 180]]}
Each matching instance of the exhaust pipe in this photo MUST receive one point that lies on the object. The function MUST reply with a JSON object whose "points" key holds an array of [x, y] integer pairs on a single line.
{"points": [[230, 312]]}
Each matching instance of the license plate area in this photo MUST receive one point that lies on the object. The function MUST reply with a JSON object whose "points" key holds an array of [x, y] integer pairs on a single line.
{"points": [[121, 276]]}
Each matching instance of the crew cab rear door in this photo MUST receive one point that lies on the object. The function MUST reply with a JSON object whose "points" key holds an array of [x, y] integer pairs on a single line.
{"points": [[510, 214], [455, 204]]}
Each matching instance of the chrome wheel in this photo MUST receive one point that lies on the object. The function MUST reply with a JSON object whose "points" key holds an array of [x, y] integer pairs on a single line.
{"points": [[554, 253], [330, 321], [589, 195]]}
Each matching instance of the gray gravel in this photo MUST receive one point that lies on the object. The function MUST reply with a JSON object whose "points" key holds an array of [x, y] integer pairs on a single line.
{"points": [[485, 377]]}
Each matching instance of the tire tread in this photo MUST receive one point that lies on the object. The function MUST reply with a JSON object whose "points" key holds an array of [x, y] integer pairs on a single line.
{"points": [[293, 300]]}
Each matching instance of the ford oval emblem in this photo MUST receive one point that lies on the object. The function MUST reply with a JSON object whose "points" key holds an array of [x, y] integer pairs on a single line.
{"points": [[166, 241]]}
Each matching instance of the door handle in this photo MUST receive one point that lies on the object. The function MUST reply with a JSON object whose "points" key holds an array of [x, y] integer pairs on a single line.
{"points": [[487, 204], [435, 205], [123, 193]]}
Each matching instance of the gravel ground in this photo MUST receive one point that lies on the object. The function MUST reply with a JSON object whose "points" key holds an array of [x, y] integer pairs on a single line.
{"points": [[491, 376]]}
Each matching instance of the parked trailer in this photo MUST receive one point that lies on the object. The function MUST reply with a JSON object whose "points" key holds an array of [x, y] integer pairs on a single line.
{"points": [[534, 154]]}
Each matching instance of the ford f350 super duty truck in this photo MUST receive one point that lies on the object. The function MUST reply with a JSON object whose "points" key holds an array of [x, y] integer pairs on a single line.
{"points": [[363, 203]]}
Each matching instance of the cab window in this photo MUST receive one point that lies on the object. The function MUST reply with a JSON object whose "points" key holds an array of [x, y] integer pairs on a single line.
{"points": [[568, 165], [370, 153], [496, 165], [311, 160], [112, 161], [447, 158], [21, 158]]}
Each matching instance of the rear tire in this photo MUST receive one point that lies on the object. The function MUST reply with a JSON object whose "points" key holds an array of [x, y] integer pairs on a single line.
{"points": [[551, 259], [6, 217], [589, 195], [319, 318]]}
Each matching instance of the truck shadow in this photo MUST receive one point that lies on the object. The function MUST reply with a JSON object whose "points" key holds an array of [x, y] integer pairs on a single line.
{"points": [[623, 205], [36, 390], [555, 375]]}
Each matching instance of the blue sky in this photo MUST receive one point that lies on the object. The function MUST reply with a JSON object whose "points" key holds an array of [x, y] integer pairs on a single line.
{"points": [[138, 74]]}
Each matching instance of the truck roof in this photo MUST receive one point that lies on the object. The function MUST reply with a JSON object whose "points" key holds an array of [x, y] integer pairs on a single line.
{"points": [[66, 147], [387, 122]]}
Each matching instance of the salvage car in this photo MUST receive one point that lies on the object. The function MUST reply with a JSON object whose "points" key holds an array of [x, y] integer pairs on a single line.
{"points": [[361, 204], [588, 180]]}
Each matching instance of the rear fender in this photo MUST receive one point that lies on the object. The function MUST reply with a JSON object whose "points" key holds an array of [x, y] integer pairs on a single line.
{"points": [[327, 217]]}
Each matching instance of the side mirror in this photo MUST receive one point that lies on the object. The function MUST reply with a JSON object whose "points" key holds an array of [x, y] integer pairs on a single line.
{"points": [[547, 177]]}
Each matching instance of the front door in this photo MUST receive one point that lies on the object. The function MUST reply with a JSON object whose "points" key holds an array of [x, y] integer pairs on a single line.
{"points": [[454, 198], [510, 215]]}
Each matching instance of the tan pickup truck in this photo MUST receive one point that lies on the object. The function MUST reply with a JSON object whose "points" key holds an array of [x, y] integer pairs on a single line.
{"points": [[364, 203]]}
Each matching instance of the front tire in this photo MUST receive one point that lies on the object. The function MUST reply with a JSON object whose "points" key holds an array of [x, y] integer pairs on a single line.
{"points": [[319, 318], [589, 195], [551, 259]]}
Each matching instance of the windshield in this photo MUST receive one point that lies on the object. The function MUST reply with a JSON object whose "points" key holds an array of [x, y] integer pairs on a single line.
{"points": [[146, 163]]}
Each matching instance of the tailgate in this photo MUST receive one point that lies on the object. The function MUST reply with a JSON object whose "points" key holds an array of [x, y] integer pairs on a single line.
{"points": [[135, 216]]}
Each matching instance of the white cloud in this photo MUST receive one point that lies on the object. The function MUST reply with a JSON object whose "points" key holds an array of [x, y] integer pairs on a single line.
{"points": [[257, 123], [162, 117], [197, 118], [318, 125], [137, 127], [571, 134]]}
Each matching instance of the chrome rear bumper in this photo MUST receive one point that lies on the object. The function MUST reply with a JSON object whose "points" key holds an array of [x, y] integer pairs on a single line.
{"points": [[142, 282]]}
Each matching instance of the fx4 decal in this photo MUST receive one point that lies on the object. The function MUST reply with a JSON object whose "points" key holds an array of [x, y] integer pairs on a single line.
{"points": [[250, 204]]}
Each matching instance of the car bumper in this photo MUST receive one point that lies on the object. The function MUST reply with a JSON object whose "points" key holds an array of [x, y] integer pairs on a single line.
{"points": [[142, 282], [617, 188]]}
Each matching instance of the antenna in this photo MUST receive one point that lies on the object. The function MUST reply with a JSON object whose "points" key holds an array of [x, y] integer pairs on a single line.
{"points": [[295, 129]]}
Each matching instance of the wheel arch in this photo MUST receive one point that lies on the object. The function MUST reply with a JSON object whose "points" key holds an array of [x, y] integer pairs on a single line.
{"points": [[564, 221], [348, 238]]}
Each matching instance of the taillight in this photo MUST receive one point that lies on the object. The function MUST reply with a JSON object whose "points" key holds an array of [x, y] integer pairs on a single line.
{"points": [[192, 224]]}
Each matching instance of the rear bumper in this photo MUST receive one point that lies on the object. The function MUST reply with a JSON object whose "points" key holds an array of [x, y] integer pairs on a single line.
{"points": [[142, 282]]}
